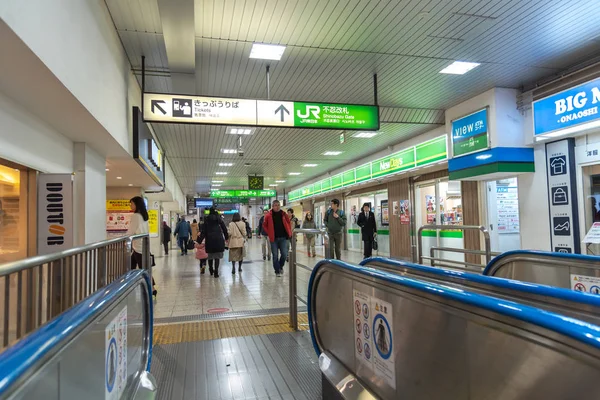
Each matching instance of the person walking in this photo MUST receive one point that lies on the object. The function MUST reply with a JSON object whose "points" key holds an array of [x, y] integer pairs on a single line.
{"points": [[278, 228], [368, 227], [335, 221], [248, 228], [214, 234], [309, 223], [138, 225], [237, 239], [183, 231], [195, 230], [265, 243], [166, 237]]}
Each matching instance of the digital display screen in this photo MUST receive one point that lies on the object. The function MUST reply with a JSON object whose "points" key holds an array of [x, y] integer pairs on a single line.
{"points": [[203, 203]]}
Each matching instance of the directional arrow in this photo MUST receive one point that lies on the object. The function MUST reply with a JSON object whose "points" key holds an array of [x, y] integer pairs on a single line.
{"points": [[281, 109], [157, 104]]}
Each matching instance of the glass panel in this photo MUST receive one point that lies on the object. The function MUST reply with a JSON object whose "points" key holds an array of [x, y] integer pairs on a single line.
{"points": [[13, 214], [503, 215]]}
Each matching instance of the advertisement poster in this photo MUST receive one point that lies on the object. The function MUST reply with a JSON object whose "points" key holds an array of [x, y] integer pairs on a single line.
{"points": [[593, 235], [507, 203], [396, 207], [373, 336], [153, 223], [118, 217], [404, 212], [115, 345], [430, 208], [385, 213]]}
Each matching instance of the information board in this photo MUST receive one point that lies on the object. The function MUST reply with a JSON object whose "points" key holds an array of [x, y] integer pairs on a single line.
{"points": [[242, 193], [470, 133], [180, 108], [507, 206]]}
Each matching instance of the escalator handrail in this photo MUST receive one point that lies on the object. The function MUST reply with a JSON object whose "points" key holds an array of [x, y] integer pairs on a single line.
{"points": [[570, 327], [16, 360], [504, 283], [564, 256]]}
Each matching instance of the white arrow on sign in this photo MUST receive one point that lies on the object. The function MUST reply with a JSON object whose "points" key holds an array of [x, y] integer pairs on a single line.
{"points": [[278, 113]]}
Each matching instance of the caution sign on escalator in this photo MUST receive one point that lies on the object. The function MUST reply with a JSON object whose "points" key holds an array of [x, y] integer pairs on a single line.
{"points": [[586, 284], [115, 368]]}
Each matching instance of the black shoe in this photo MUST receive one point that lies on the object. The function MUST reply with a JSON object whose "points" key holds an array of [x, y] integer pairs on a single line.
{"points": [[216, 275], [264, 258], [240, 269], [211, 270], [154, 292], [233, 270]]}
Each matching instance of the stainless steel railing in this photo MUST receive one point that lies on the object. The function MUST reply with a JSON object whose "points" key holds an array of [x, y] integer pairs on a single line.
{"points": [[487, 252], [37, 289], [294, 264]]}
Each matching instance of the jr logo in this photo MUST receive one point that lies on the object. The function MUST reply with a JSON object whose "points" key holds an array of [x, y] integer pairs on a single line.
{"points": [[314, 110]]}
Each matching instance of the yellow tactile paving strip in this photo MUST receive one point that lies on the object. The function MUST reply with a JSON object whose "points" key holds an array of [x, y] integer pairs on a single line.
{"points": [[221, 329]]}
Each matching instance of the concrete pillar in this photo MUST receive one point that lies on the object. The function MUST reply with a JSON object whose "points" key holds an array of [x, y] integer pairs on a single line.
{"points": [[89, 199]]}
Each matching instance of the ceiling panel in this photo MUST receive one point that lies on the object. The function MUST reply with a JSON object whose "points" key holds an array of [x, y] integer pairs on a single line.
{"points": [[333, 49]]}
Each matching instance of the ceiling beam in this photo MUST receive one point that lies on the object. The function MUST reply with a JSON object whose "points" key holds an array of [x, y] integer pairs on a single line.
{"points": [[179, 31]]}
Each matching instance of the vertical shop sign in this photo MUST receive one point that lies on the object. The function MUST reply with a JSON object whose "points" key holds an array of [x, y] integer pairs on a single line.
{"points": [[55, 213], [560, 165], [153, 223]]}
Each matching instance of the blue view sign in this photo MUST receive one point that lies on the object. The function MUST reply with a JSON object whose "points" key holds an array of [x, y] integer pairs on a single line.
{"points": [[470, 133], [567, 109]]}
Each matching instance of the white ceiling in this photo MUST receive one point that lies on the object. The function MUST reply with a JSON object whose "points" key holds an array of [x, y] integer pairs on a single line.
{"points": [[333, 49]]}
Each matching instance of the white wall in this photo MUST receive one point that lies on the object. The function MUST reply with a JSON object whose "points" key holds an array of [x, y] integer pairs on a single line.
{"points": [[31, 142], [78, 42]]}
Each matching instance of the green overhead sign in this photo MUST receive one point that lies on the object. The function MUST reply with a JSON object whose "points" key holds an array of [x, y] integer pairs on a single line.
{"points": [[415, 156], [219, 194], [185, 109]]}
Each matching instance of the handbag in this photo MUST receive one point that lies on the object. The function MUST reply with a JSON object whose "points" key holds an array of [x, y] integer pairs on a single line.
{"points": [[244, 250], [152, 263], [190, 245], [375, 245]]}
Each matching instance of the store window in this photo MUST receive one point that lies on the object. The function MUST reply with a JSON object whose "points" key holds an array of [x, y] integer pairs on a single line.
{"points": [[441, 201], [380, 207], [13, 212]]}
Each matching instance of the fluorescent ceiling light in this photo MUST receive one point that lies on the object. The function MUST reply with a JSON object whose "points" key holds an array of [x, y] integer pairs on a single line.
{"points": [[107, 169], [217, 181], [228, 151], [267, 51], [225, 164], [365, 135], [240, 131], [310, 165], [221, 173], [294, 173], [566, 131], [273, 185], [332, 153], [217, 185], [279, 181], [119, 177], [459, 68], [131, 184]]}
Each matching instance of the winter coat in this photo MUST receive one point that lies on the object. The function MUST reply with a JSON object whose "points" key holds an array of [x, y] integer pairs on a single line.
{"points": [[201, 253], [269, 227], [368, 226], [309, 225], [335, 225], [166, 238], [214, 233], [182, 229], [237, 234], [195, 230]]}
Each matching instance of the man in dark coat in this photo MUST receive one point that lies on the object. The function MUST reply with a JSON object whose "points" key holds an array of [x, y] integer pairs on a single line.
{"points": [[368, 227]]}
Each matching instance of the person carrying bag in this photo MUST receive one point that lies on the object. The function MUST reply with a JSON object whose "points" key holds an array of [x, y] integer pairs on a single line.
{"points": [[237, 241]]}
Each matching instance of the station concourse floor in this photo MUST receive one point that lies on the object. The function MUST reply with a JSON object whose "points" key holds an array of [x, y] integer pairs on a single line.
{"points": [[184, 292]]}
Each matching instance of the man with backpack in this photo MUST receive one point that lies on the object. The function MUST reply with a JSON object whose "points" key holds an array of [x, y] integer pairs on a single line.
{"points": [[335, 221]]}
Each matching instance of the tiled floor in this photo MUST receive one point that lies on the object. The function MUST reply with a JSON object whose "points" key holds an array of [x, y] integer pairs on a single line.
{"points": [[182, 290]]}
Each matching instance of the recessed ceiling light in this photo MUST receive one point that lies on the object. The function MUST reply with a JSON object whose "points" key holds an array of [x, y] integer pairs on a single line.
{"points": [[273, 185], [107, 169], [267, 51], [131, 184], [332, 153], [310, 165], [365, 135], [119, 177], [221, 173], [459, 68], [217, 181], [225, 164], [294, 173], [228, 151], [279, 181], [240, 131]]}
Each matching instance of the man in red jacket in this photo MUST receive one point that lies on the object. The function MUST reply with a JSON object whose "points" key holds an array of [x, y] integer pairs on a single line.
{"points": [[278, 228]]}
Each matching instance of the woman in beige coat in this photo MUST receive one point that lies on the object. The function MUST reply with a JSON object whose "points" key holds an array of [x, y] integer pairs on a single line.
{"points": [[237, 238]]}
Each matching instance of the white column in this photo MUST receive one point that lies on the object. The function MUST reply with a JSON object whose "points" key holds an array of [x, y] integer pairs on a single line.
{"points": [[89, 195]]}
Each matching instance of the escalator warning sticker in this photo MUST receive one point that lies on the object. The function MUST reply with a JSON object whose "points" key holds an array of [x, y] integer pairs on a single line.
{"points": [[362, 335], [115, 375], [584, 283], [382, 327]]}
